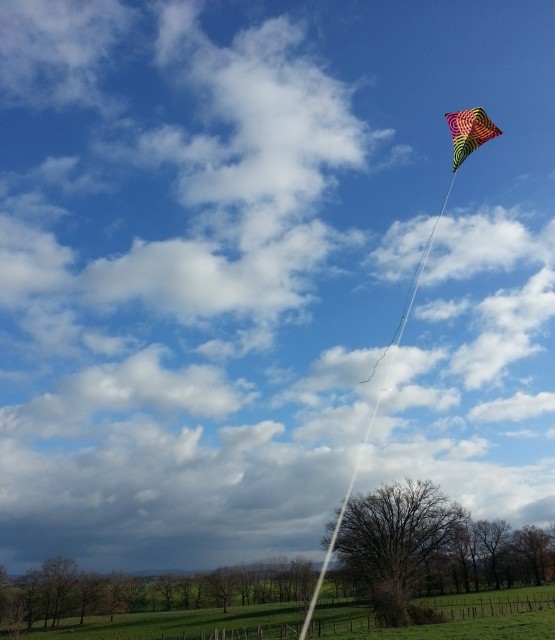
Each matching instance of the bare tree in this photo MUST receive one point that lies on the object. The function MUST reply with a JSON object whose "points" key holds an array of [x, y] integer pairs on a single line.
{"points": [[134, 594], [58, 578], [533, 545], [261, 585], [165, 586], [88, 588], [115, 591], [304, 580], [387, 535], [199, 582], [245, 577], [5, 584], [460, 549], [183, 592], [16, 618], [493, 538], [30, 585], [222, 583]]}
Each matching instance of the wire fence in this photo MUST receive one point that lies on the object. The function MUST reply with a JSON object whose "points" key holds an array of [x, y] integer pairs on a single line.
{"points": [[487, 607]]}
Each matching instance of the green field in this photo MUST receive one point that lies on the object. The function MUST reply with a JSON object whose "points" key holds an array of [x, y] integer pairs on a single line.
{"points": [[512, 614]]}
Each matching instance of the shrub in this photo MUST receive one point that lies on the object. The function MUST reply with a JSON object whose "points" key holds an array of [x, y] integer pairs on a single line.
{"points": [[424, 615]]}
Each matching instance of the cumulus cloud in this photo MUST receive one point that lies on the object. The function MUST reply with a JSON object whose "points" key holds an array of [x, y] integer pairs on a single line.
{"points": [[462, 246], [52, 54], [486, 359], [32, 262], [441, 310], [519, 407], [193, 279], [139, 383], [339, 408], [523, 309], [253, 253], [510, 320]]}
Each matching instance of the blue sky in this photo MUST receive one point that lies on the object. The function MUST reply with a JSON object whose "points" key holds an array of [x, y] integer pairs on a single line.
{"points": [[210, 216]]}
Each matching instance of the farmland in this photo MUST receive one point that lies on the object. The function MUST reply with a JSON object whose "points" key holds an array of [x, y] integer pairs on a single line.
{"points": [[507, 615]]}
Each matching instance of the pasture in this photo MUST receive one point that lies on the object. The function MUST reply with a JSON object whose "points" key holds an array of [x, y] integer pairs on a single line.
{"points": [[506, 615]]}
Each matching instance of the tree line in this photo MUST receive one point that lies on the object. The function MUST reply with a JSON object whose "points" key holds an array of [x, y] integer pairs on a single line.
{"points": [[59, 589], [402, 540]]}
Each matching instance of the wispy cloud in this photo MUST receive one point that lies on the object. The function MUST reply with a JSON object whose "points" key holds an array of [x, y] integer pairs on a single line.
{"points": [[53, 54]]}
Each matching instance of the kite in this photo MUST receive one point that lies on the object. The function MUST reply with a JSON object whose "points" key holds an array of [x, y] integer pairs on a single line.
{"points": [[470, 129]]}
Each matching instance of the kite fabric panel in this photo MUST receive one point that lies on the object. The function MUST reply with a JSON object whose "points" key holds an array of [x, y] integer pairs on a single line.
{"points": [[470, 129]]}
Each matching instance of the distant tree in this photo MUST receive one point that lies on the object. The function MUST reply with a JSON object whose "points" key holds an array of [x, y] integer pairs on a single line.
{"points": [[436, 570], [88, 589], [342, 582], [281, 578], [222, 584], [261, 587], [5, 584], [30, 585], [199, 583], [134, 594], [304, 579], [115, 593], [165, 586], [15, 617], [533, 544], [474, 551], [493, 538], [245, 577], [460, 550], [387, 535], [183, 590], [58, 578]]}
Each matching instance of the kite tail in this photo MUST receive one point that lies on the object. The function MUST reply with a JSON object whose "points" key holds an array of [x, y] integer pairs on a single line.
{"points": [[396, 340]]}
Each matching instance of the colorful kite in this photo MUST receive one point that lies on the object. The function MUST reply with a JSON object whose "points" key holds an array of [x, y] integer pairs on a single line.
{"points": [[470, 129]]}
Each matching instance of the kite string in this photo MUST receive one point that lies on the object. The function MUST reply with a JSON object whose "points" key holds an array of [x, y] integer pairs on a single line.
{"points": [[415, 283], [413, 287]]}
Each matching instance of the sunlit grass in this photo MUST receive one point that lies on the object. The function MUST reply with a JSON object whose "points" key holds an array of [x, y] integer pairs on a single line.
{"points": [[506, 615]]}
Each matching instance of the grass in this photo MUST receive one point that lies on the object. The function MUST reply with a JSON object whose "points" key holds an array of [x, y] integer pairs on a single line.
{"points": [[506, 615]]}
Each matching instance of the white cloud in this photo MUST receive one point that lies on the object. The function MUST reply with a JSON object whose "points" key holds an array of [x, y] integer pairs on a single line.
{"points": [[52, 54], [53, 326], [441, 310], [462, 247], [236, 440], [510, 320], [176, 24], [105, 344], [525, 309], [140, 383], [340, 375], [519, 407], [528, 434], [465, 449], [486, 359], [288, 121], [192, 279], [346, 424], [32, 263], [33, 206]]}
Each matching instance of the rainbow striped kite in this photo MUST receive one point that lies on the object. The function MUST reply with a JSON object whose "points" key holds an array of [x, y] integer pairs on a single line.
{"points": [[470, 129]]}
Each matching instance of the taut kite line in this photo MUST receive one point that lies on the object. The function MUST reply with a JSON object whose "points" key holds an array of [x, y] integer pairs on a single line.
{"points": [[470, 129]]}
